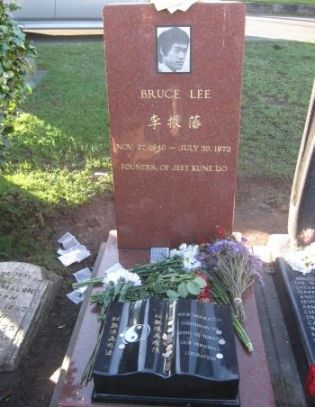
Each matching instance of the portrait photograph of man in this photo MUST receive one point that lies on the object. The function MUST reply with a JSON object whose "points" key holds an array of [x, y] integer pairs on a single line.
{"points": [[173, 49]]}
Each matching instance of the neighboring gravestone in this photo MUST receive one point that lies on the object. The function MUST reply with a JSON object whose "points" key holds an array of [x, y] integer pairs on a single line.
{"points": [[297, 290], [154, 351], [302, 204], [174, 85], [26, 291]]}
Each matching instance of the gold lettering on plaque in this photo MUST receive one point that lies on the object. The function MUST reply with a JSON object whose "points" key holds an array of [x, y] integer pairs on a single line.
{"points": [[189, 147], [203, 168], [138, 167], [164, 167], [124, 147], [154, 121], [174, 121], [194, 121], [221, 168], [160, 94], [180, 167], [200, 94]]}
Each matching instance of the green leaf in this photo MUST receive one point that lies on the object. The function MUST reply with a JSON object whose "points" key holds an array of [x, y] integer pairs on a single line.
{"points": [[4, 29], [5, 89], [13, 7], [200, 281], [172, 295], [8, 74], [7, 130], [182, 290], [15, 66], [5, 141], [193, 287]]}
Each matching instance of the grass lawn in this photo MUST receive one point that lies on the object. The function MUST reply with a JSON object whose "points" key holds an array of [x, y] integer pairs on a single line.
{"points": [[61, 136], [60, 141], [278, 78]]}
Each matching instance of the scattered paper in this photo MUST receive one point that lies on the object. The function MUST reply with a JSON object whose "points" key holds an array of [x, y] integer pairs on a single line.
{"points": [[75, 256], [75, 296], [73, 251], [173, 5], [68, 241], [159, 254], [82, 289], [62, 251], [82, 275]]}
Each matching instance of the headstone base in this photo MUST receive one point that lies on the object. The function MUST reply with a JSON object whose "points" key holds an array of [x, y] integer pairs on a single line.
{"points": [[255, 381], [164, 401]]}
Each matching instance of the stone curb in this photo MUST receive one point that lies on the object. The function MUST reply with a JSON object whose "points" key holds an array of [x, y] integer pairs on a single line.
{"points": [[280, 9]]}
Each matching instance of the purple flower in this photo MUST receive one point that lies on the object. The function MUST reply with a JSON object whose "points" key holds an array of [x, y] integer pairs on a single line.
{"points": [[254, 262], [210, 253], [226, 246], [258, 277]]}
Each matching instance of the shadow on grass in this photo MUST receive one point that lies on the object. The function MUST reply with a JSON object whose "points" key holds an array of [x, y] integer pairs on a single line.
{"points": [[24, 234]]}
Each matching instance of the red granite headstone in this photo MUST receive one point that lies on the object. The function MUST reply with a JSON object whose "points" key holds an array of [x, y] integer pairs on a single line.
{"points": [[174, 85]]}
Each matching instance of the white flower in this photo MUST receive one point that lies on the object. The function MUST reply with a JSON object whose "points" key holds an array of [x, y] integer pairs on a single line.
{"points": [[188, 254], [302, 260], [123, 276]]}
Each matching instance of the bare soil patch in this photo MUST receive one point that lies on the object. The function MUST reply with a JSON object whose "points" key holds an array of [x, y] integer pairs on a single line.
{"points": [[261, 209]]}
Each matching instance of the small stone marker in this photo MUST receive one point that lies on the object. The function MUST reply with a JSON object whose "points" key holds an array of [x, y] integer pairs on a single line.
{"points": [[154, 351], [26, 292], [174, 84]]}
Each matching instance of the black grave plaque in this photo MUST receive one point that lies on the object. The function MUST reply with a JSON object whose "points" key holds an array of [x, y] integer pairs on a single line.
{"points": [[153, 351], [297, 297]]}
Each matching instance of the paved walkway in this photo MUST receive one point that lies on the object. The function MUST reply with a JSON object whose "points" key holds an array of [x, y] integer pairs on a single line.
{"points": [[272, 27], [281, 28]]}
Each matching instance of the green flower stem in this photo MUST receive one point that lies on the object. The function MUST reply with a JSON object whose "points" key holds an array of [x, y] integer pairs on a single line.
{"points": [[166, 269], [162, 266], [91, 281], [241, 333], [87, 373], [221, 296]]}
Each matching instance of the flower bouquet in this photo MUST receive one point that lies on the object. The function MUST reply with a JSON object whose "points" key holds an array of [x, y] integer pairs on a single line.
{"points": [[230, 266]]}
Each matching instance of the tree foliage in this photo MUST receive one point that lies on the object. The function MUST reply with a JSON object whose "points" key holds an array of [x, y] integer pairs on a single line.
{"points": [[15, 64]]}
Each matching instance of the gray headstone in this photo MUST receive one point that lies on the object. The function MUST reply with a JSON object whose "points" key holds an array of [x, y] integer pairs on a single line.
{"points": [[26, 292], [301, 224]]}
